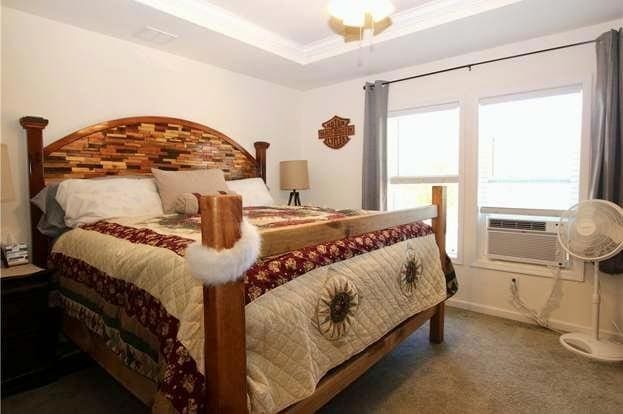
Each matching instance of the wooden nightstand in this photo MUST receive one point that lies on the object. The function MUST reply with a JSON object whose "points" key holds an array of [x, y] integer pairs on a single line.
{"points": [[29, 328]]}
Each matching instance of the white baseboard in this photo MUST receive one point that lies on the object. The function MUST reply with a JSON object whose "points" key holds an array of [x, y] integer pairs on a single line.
{"points": [[516, 316]]}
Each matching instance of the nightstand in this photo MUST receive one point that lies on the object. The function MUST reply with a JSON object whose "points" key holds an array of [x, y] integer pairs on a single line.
{"points": [[29, 329]]}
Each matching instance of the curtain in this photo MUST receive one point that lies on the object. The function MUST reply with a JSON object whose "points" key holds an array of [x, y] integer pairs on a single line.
{"points": [[607, 129], [374, 172]]}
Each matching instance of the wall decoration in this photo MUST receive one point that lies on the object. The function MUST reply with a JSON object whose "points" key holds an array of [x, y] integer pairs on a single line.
{"points": [[336, 132]]}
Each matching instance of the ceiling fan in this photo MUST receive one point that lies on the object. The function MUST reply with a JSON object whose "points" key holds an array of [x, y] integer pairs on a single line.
{"points": [[351, 18]]}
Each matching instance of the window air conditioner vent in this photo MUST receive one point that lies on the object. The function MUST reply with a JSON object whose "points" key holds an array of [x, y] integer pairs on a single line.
{"points": [[525, 241], [517, 224]]}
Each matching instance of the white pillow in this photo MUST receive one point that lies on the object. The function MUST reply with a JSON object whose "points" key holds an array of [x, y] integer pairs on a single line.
{"points": [[87, 201], [253, 191]]}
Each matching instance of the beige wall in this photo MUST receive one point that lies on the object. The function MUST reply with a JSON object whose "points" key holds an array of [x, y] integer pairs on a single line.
{"points": [[76, 78], [336, 175]]}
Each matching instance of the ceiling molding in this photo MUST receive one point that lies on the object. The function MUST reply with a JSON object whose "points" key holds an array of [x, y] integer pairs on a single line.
{"points": [[430, 14]]}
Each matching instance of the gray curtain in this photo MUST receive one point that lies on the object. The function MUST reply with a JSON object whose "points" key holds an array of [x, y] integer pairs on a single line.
{"points": [[607, 129], [374, 173]]}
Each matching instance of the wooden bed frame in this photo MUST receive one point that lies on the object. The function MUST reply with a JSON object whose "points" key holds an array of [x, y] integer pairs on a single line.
{"points": [[131, 146]]}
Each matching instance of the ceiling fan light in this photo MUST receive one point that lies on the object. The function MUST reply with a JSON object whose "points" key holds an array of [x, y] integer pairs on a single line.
{"points": [[353, 13], [354, 18], [338, 8], [350, 12], [380, 9]]}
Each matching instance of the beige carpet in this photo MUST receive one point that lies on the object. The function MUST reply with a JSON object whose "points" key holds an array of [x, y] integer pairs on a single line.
{"points": [[486, 365]]}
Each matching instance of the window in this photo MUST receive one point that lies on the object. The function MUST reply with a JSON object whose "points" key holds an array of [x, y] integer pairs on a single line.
{"points": [[423, 150], [529, 149]]}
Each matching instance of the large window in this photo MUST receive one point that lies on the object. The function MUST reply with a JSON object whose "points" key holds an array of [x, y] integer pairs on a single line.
{"points": [[529, 149], [423, 150]]}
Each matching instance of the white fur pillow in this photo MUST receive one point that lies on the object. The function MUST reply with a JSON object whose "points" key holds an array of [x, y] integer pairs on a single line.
{"points": [[216, 267]]}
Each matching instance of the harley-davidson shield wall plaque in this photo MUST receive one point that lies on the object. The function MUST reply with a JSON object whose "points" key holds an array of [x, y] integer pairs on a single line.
{"points": [[336, 132]]}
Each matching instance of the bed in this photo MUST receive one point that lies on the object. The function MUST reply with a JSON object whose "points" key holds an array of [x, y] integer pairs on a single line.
{"points": [[330, 293]]}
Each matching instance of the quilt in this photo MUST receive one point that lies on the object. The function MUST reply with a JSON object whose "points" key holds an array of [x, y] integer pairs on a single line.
{"points": [[307, 310]]}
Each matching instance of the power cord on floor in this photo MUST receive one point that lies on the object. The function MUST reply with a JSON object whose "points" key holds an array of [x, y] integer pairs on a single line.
{"points": [[553, 301], [616, 327]]}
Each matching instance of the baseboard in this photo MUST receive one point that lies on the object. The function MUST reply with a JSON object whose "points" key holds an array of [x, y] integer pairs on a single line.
{"points": [[27, 381], [516, 316]]}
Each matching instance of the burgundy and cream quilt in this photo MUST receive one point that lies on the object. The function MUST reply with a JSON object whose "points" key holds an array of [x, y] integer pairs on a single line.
{"points": [[307, 310]]}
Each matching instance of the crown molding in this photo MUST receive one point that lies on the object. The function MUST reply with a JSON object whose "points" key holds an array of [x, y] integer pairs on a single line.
{"points": [[427, 15]]}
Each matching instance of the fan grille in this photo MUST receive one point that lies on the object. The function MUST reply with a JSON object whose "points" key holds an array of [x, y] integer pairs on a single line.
{"points": [[592, 230]]}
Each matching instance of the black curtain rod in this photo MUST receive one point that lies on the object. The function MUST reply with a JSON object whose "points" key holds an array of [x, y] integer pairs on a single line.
{"points": [[471, 65]]}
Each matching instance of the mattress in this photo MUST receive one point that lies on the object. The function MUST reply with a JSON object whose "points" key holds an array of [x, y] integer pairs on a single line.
{"points": [[307, 310]]}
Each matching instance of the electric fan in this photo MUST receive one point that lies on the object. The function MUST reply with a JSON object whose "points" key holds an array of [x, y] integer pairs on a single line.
{"points": [[592, 231]]}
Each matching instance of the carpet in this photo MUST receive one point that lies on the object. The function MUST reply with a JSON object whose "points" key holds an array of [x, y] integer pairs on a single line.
{"points": [[485, 365]]}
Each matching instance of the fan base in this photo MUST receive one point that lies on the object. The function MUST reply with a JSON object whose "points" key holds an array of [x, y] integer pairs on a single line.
{"points": [[586, 345]]}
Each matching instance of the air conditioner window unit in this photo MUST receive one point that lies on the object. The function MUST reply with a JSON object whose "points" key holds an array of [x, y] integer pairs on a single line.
{"points": [[525, 241]]}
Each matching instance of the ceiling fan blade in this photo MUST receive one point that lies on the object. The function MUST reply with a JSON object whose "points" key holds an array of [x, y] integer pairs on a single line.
{"points": [[381, 25], [352, 34]]}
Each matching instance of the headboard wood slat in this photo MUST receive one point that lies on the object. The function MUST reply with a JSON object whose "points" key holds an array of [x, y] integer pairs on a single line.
{"points": [[132, 146]]}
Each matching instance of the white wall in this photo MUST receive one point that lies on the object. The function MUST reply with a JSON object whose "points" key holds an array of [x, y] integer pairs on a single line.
{"points": [[76, 78], [336, 175]]}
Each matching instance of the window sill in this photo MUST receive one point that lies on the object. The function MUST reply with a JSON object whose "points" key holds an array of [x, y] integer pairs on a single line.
{"points": [[574, 273]]}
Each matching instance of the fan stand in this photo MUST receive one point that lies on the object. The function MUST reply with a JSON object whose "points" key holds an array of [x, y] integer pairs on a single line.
{"points": [[591, 346]]}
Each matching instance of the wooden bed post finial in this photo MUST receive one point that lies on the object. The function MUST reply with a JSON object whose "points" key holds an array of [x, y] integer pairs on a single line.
{"points": [[34, 126], [223, 310], [260, 158]]}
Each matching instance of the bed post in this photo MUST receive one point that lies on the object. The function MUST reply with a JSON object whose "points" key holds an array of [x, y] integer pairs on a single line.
{"points": [[260, 158], [223, 310], [439, 227], [34, 127]]}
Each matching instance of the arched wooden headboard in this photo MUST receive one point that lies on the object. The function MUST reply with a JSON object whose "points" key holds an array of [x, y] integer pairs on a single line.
{"points": [[131, 146]]}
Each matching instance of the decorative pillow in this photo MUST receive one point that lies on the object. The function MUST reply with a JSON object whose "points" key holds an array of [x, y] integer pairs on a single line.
{"points": [[41, 199], [187, 203], [173, 183], [88, 201], [253, 191], [52, 222]]}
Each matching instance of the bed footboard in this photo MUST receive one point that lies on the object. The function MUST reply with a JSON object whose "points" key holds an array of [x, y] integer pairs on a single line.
{"points": [[224, 305]]}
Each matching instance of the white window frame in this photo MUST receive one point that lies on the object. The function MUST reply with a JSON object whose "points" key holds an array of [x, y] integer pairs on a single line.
{"points": [[439, 179], [575, 272]]}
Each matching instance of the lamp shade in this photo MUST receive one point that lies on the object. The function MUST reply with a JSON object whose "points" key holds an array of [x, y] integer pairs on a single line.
{"points": [[7, 193], [294, 175]]}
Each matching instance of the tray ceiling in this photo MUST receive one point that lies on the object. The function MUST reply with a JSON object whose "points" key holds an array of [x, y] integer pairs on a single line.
{"points": [[290, 42], [290, 19]]}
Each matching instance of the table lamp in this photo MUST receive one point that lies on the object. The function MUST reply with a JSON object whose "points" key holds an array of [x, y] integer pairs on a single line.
{"points": [[294, 176], [7, 192]]}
